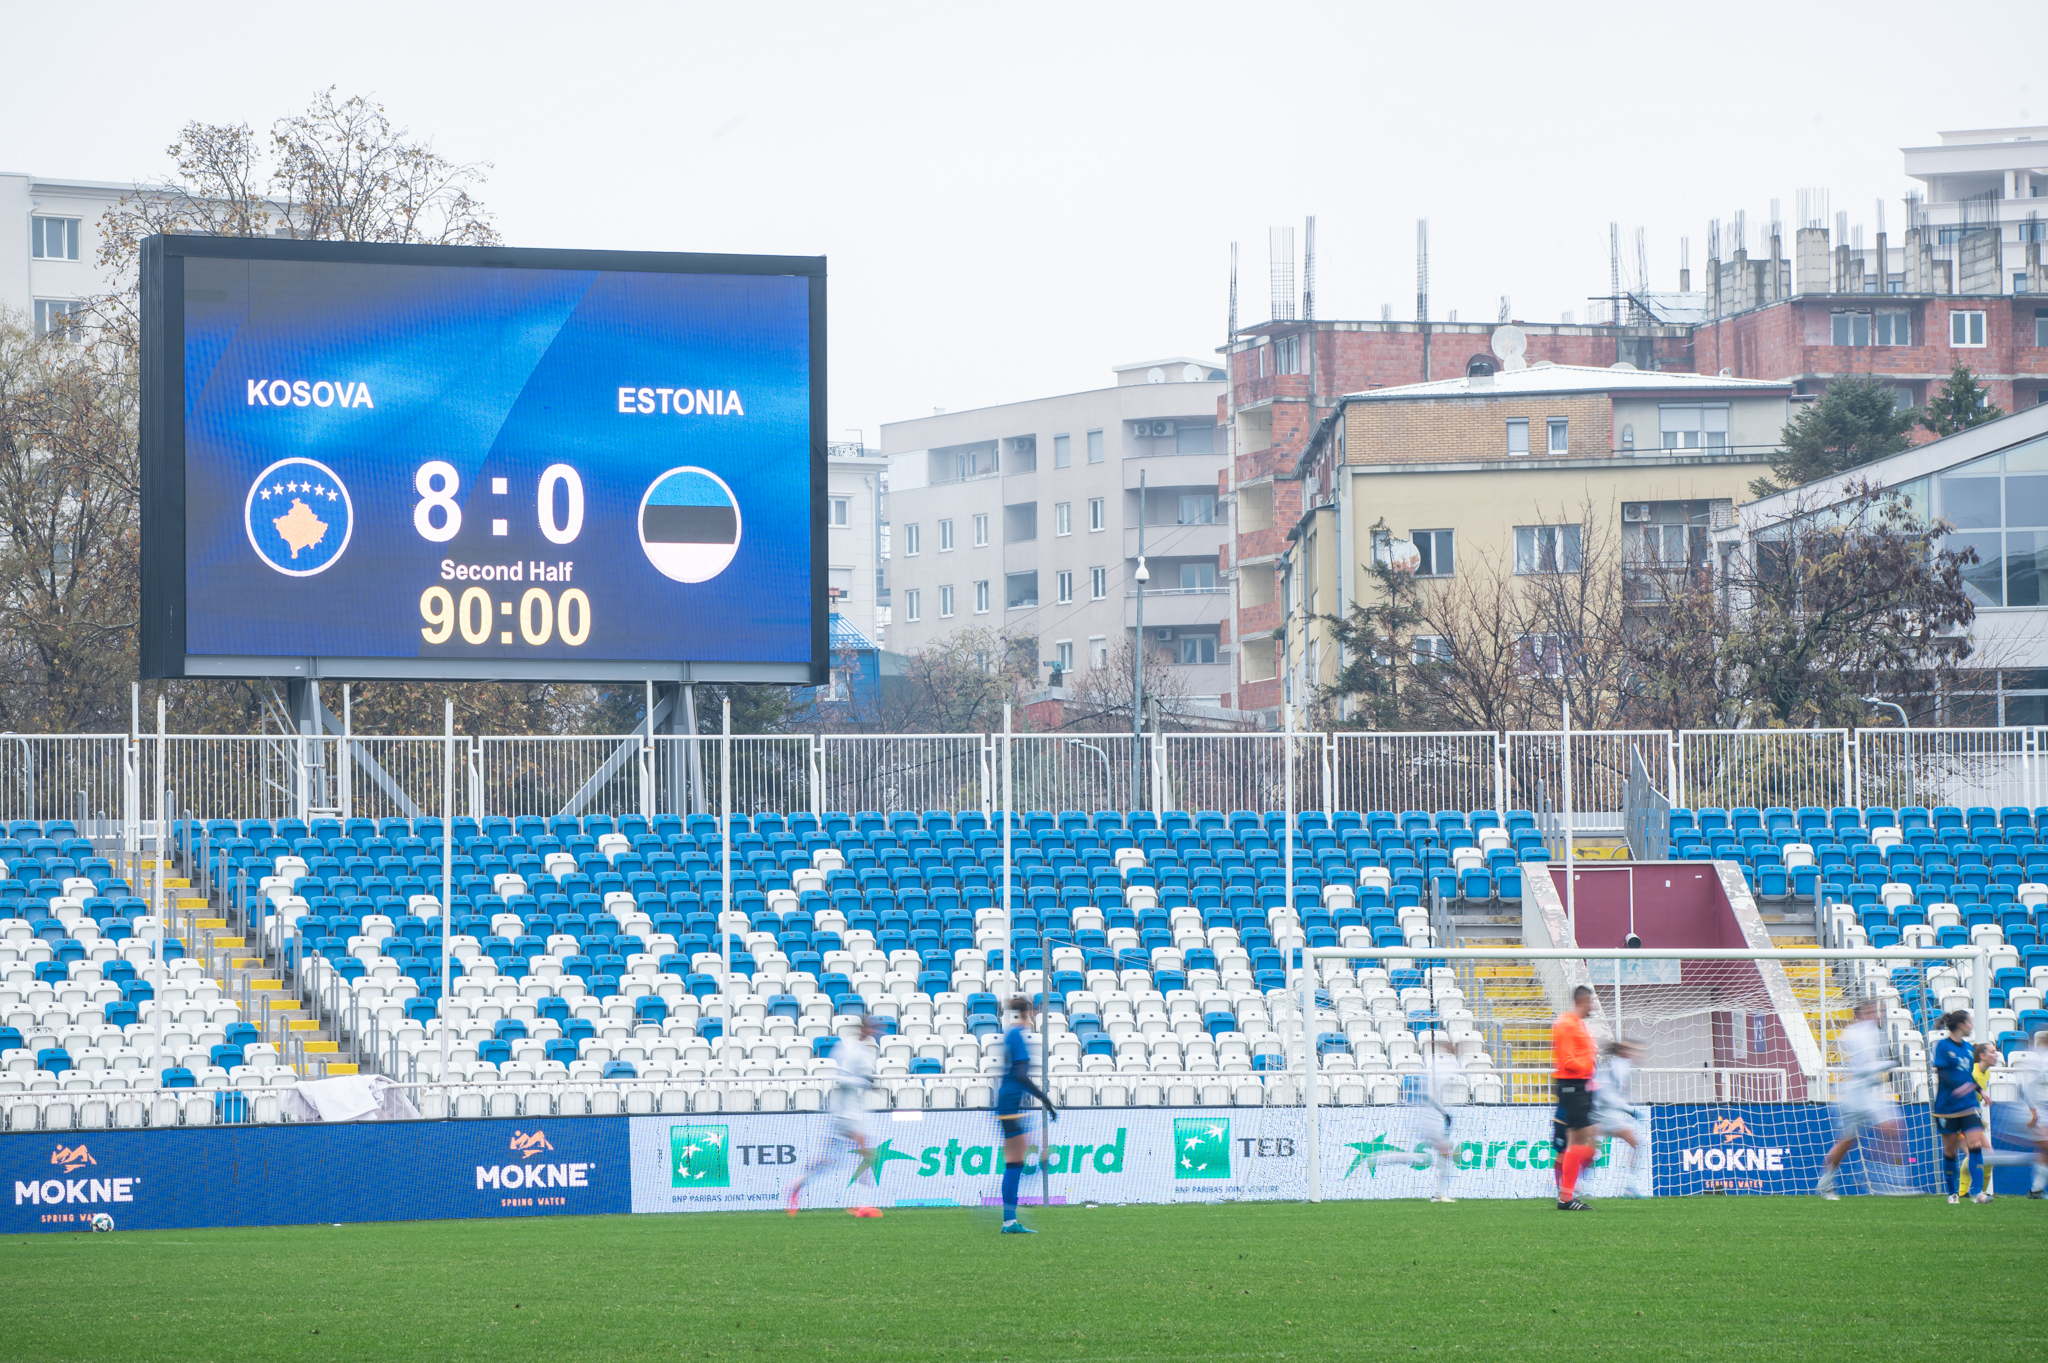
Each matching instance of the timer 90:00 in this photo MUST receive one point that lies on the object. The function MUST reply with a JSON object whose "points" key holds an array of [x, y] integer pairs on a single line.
{"points": [[539, 616]]}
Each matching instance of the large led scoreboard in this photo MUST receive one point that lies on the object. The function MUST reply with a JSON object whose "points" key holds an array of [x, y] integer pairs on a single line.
{"points": [[456, 462]]}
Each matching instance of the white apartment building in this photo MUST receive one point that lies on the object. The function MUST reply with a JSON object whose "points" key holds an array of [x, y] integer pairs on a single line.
{"points": [[857, 537], [1026, 518], [49, 244], [1986, 211]]}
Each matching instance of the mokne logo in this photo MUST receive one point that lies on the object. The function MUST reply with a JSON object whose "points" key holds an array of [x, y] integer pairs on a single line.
{"points": [[1731, 1158], [57, 1191], [1733, 1129], [529, 1144], [73, 1158], [300, 393]]}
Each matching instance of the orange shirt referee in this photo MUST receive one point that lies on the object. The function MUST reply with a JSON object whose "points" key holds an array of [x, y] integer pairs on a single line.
{"points": [[1573, 1056]]}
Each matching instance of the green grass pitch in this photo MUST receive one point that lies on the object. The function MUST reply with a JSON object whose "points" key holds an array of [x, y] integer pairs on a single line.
{"points": [[1752, 1279]]}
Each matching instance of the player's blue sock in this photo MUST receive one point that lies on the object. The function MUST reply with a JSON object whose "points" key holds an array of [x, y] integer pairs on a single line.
{"points": [[1949, 1174], [1013, 1174], [1977, 1172]]}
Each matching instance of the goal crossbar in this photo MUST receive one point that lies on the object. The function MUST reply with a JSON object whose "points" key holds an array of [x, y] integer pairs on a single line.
{"points": [[1980, 984]]}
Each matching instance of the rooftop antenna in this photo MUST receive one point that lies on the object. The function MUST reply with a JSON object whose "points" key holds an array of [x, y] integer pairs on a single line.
{"points": [[1233, 291], [1613, 273], [1308, 270], [1505, 310], [1422, 269], [1386, 312], [1280, 250], [1642, 270]]}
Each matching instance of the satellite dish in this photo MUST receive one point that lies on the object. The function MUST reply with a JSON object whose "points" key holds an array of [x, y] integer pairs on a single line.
{"points": [[1511, 343], [1191, 373], [1624, 366], [1400, 555], [1155, 375]]}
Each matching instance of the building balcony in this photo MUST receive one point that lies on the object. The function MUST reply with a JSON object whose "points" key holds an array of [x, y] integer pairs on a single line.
{"points": [[1175, 606], [1179, 541], [1173, 470]]}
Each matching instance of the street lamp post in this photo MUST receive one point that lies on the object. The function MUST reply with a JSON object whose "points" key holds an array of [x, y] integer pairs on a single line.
{"points": [[1141, 577], [1108, 780]]}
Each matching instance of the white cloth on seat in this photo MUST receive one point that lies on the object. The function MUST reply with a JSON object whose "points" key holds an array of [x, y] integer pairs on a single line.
{"points": [[348, 1098]]}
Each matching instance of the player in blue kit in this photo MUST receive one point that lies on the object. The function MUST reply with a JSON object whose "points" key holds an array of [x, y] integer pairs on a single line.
{"points": [[1955, 1106], [1011, 1094]]}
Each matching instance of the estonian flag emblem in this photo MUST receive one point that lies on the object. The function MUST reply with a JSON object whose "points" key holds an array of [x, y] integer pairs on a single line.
{"points": [[689, 525]]}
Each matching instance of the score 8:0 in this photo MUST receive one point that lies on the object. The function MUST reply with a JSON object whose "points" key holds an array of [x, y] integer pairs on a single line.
{"points": [[539, 614]]}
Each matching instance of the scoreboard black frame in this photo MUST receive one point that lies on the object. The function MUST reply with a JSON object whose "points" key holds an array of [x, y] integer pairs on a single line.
{"points": [[165, 618]]}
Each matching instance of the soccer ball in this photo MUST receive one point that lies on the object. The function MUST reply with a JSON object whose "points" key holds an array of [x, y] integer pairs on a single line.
{"points": [[102, 1222]]}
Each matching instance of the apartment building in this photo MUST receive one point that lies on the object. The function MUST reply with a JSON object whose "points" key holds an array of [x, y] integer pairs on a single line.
{"points": [[1027, 517], [857, 538], [49, 245], [1511, 468]]}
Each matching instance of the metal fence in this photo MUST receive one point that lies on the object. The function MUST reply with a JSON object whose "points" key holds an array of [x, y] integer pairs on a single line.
{"points": [[1416, 771], [1963, 767], [117, 777]]}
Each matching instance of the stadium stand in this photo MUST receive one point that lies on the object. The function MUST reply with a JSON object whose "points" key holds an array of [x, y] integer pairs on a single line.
{"points": [[588, 973]]}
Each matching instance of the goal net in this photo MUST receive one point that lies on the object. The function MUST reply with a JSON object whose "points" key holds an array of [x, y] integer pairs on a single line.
{"points": [[1737, 1078]]}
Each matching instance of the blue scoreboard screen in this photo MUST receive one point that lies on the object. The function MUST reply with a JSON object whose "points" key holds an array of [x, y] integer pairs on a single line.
{"points": [[406, 461]]}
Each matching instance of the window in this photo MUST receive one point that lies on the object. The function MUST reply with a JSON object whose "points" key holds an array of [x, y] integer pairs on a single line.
{"points": [[1692, 426], [1063, 518], [1560, 431], [839, 511], [1062, 451], [1021, 590], [945, 603], [1063, 655], [1666, 546], [1098, 583], [1198, 508], [945, 535], [1518, 436], [1894, 328], [1020, 522], [53, 238], [2012, 568], [1198, 577], [1966, 328], [981, 597], [1429, 648], [1196, 649], [1849, 328], [2041, 326], [913, 605], [913, 542], [1546, 548], [1095, 447], [1066, 586], [1189, 439], [980, 529], [57, 317], [840, 583], [1541, 654], [1098, 514], [1098, 651], [1438, 555]]}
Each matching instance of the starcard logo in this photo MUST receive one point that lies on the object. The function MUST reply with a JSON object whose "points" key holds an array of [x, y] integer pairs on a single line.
{"points": [[526, 1145], [73, 1158]]}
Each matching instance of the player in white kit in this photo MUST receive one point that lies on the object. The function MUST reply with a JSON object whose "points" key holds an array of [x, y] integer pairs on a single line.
{"points": [[1426, 1091], [1615, 1112], [2031, 1069], [853, 1074], [1863, 1104]]}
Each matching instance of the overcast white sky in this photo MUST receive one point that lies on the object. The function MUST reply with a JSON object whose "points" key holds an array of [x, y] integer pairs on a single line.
{"points": [[1016, 197]]}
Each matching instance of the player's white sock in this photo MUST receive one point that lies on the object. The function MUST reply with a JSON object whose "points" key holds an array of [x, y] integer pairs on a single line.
{"points": [[2040, 1175], [1827, 1180], [1443, 1172]]}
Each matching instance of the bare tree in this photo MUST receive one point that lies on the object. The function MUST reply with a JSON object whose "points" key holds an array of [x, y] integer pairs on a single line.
{"points": [[1099, 699], [957, 684]]}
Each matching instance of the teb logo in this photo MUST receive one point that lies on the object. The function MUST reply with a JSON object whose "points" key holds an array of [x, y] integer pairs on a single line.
{"points": [[298, 517], [1201, 1147], [73, 1158], [699, 1157], [528, 1144], [1731, 1129]]}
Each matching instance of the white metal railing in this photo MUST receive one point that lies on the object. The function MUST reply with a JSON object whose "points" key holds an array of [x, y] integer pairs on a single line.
{"points": [[1928, 767], [115, 780]]}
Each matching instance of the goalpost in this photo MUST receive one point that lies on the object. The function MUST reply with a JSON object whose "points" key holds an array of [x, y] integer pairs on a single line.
{"points": [[1739, 1053]]}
